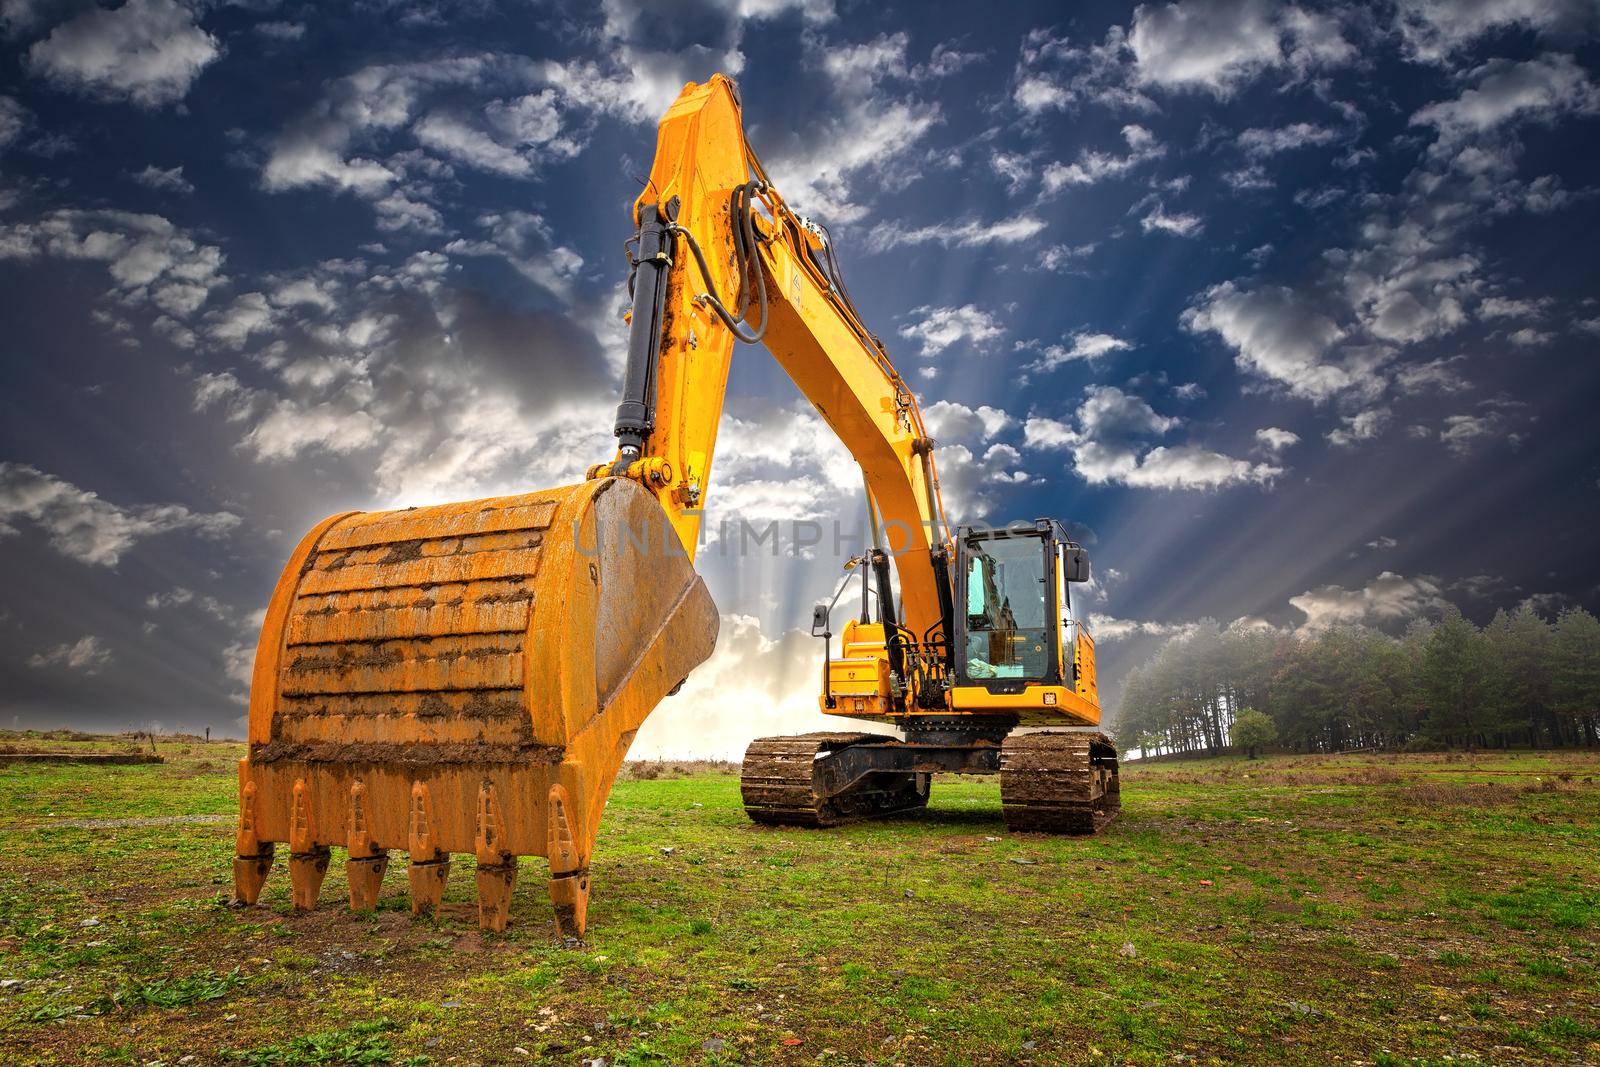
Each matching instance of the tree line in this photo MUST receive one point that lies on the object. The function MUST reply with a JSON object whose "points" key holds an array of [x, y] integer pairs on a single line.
{"points": [[1520, 680]]}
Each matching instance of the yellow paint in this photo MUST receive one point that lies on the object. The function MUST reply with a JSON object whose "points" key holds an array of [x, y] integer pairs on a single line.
{"points": [[1070, 709]]}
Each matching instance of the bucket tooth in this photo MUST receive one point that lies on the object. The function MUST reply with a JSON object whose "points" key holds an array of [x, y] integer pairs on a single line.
{"points": [[365, 874], [429, 868], [308, 860], [427, 878], [306, 872], [250, 874], [497, 868], [252, 860], [495, 885], [570, 895], [569, 868], [367, 862]]}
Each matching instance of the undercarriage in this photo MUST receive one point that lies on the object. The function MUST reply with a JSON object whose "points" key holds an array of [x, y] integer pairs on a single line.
{"points": [[1057, 782]]}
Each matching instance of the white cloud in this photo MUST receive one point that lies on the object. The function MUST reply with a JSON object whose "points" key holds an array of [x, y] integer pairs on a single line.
{"points": [[864, 128], [1062, 257], [1462, 434], [1317, 199], [1537, 90], [249, 313], [1248, 179], [1014, 169], [462, 141], [968, 480], [1437, 375], [442, 393], [86, 654], [281, 31], [1214, 46], [1094, 167], [316, 148], [1085, 345], [1259, 142], [1280, 336], [1433, 30], [1110, 628], [1109, 445], [937, 328], [1408, 281], [1108, 412], [146, 51], [1499, 307], [947, 421], [82, 526], [1190, 467], [170, 180], [1217, 46], [149, 259], [1362, 426], [1181, 223], [1528, 337], [1386, 600], [1049, 434], [1275, 440], [13, 120], [525, 241], [967, 233], [1053, 75], [338, 426], [867, 139]]}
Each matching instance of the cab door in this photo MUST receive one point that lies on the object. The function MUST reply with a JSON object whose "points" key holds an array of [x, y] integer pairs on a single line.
{"points": [[1065, 650]]}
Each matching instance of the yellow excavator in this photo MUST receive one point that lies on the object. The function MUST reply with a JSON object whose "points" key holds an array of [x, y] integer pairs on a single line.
{"points": [[467, 678]]}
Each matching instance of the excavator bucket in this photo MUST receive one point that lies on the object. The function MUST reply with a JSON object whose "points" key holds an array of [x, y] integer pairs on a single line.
{"points": [[462, 679]]}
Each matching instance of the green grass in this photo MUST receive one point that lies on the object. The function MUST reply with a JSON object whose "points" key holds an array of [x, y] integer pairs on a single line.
{"points": [[357, 1044], [1292, 910]]}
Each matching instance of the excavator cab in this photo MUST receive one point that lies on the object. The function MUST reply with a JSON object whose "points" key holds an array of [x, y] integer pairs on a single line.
{"points": [[1016, 645]]}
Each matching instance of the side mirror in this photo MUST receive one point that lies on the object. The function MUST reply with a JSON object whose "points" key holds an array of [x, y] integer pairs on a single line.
{"points": [[819, 620], [1075, 562]]}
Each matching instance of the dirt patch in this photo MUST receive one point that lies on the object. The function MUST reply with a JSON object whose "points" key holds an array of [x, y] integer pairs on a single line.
{"points": [[653, 770], [1470, 794], [119, 758], [110, 824]]}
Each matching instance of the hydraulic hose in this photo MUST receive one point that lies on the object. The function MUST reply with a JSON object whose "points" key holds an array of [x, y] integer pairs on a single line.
{"points": [[745, 256]]}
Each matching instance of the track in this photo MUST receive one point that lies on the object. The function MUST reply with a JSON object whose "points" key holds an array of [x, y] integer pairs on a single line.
{"points": [[1059, 783], [778, 783]]}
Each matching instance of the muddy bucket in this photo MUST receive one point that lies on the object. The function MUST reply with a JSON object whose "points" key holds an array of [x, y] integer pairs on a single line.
{"points": [[462, 679]]}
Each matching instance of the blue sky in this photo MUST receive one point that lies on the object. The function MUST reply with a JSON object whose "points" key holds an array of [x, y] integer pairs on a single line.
{"points": [[1289, 307]]}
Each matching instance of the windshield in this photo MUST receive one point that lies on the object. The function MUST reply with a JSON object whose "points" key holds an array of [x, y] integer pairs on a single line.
{"points": [[1006, 606]]}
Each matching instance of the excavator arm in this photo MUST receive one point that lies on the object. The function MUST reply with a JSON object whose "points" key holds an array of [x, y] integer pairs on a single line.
{"points": [[721, 258]]}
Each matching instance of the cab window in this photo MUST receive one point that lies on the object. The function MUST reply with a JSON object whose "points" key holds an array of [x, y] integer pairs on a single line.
{"points": [[1007, 610]]}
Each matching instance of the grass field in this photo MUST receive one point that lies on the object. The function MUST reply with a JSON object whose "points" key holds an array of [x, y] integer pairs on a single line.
{"points": [[1377, 910]]}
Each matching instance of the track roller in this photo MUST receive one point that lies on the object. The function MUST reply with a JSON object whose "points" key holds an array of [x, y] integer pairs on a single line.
{"points": [[1062, 782], [784, 782]]}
